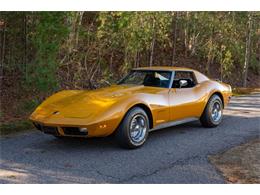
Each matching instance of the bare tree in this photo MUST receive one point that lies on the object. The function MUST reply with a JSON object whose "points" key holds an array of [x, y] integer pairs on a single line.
{"points": [[210, 55], [75, 21], [247, 52], [186, 34], [153, 43], [3, 37], [175, 23]]}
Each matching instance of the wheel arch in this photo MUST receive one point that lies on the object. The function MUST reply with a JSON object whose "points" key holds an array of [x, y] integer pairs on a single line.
{"points": [[205, 116], [211, 94], [146, 109], [218, 94], [148, 112]]}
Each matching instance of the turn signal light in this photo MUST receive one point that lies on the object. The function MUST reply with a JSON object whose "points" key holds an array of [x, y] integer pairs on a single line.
{"points": [[102, 126]]}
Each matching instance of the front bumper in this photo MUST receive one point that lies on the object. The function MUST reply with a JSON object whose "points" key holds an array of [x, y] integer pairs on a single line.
{"points": [[62, 131]]}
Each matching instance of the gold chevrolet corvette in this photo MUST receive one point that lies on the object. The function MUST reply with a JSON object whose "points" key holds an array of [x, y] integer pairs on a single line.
{"points": [[147, 99]]}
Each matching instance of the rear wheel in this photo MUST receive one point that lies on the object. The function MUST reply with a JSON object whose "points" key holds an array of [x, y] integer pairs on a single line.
{"points": [[133, 130], [212, 115], [58, 137]]}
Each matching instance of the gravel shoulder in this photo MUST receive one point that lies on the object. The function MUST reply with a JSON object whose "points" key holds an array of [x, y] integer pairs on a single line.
{"points": [[240, 164]]}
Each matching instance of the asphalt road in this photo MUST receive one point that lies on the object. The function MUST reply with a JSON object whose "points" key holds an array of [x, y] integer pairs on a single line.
{"points": [[173, 155]]}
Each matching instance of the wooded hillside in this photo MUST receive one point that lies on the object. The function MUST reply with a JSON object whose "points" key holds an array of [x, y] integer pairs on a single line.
{"points": [[42, 52]]}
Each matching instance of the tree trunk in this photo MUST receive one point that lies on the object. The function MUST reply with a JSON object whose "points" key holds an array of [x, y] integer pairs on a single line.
{"points": [[2, 53], [3, 43], [193, 44], [125, 57], [221, 66], [79, 22], [208, 62], [136, 63], [247, 52], [152, 44], [186, 35], [25, 46], [75, 22], [210, 54], [175, 22], [152, 51], [138, 59], [111, 61]]}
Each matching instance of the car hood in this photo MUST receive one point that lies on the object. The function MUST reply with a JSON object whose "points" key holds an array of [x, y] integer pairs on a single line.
{"points": [[85, 104]]}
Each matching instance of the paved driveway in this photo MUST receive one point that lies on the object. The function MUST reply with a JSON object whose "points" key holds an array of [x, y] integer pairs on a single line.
{"points": [[173, 155]]}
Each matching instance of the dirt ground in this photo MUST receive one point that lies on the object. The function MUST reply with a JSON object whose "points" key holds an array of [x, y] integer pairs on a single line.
{"points": [[240, 164]]}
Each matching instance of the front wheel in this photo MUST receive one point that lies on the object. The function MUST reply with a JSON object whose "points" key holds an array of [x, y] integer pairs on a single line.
{"points": [[133, 130], [212, 115]]}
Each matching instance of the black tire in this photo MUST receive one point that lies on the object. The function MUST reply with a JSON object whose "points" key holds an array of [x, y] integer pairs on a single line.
{"points": [[206, 119], [59, 137], [123, 133]]}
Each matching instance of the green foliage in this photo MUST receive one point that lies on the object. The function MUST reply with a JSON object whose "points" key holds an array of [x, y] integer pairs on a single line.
{"points": [[11, 39], [78, 49], [50, 32], [132, 32], [15, 126], [1, 114], [227, 63], [29, 105]]}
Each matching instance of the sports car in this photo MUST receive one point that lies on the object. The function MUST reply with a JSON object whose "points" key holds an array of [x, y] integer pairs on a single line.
{"points": [[147, 99]]}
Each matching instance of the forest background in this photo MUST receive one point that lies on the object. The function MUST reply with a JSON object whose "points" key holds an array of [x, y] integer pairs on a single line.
{"points": [[44, 52]]}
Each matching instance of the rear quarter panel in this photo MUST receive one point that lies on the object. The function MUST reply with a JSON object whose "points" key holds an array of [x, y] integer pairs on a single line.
{"points": [[211, 87], [218, 87]]}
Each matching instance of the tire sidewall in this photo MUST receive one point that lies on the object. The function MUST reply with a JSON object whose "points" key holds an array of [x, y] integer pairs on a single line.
{"points": [[130, 115], [212, 101]]}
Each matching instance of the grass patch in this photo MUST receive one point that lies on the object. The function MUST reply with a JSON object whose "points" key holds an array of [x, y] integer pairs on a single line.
{"points": [[15, 127], [17, 121]]}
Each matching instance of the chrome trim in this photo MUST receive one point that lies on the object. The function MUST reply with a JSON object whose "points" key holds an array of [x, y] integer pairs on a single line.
{"points": [[138, 128], [172, 78], [216, 112], [173, 123]]}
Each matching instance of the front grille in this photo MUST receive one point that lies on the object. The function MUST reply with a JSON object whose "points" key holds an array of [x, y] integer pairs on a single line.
{"points": [[50, 130], [73, 131]]}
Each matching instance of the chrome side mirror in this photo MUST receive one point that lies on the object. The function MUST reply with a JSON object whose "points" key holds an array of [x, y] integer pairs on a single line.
{"points": [[183, 83]]}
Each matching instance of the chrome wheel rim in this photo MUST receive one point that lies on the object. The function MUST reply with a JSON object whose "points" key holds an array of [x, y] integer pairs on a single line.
{"points": [[138, 128], [216, 112]]}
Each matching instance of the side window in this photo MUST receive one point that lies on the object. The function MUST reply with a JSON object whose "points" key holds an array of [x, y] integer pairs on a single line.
{"points": [[184, 75]]}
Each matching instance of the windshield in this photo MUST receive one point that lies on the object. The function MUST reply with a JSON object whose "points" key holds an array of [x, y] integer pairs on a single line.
{"points": [[147, 78]]}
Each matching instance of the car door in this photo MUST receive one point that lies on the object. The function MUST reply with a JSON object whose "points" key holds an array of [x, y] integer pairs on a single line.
{"points": [[157, 96], [187, 101]]}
